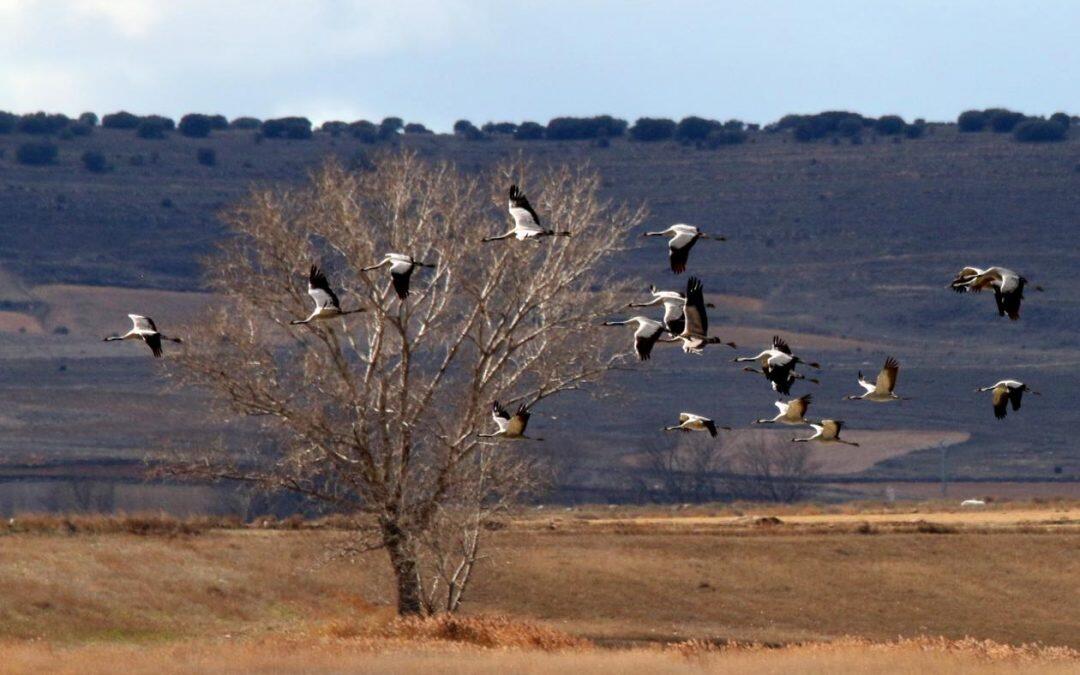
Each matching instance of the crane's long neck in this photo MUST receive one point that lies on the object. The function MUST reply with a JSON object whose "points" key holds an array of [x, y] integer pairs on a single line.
{"points": [[501, 236]]}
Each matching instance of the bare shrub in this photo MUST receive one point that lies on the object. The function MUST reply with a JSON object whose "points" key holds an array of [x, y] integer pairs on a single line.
{"points": [[685, 471], [377, 413], [766, 466], [762, 466]]}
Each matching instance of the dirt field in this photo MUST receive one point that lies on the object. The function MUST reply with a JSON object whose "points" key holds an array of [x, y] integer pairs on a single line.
{"points": [[607, 590]]}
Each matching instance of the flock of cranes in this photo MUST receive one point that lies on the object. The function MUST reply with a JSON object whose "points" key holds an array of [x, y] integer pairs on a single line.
{"points": [[684, 320]]}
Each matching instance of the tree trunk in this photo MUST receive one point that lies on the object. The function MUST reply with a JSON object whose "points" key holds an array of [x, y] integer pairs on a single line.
{"points": [[406, 569]]}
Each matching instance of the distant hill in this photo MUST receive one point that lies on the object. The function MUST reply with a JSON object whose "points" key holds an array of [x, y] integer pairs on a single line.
{"points": [[846, 248]]}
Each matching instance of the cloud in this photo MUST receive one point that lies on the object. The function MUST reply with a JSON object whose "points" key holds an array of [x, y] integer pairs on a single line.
{"points": [[129, 18], [169, 57], [40, 87]]}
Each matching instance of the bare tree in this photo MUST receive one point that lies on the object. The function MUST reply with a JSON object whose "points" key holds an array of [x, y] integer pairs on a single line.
{"points": [[378, 412], [769, 467], [685, 470]]}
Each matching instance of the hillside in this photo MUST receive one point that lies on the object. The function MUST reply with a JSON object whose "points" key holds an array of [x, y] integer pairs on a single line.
{"points": [[845, 249]]}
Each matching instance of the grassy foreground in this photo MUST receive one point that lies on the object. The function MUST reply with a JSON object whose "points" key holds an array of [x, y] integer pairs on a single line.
{"points": [[600, 591], [925, 657]]}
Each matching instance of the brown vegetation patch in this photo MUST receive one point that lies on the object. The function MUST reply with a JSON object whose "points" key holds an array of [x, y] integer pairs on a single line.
{"points": [[103, 310], [17, 322], [484, 631], [878, 446], [738, 303]]}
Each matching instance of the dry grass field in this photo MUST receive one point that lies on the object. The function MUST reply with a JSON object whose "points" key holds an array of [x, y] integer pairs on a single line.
{"points": [[925, 657], [817, 589]]}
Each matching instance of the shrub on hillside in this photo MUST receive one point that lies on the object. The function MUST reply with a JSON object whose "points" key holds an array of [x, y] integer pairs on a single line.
{"points": [[582, 128], [298, 128], [8, 121], [1061, 118], [1003, 121], [196, 125], [971, 121], [805, 132], [720, 137], [206, 156], [154, 127], [507, 128], [820, 125], [390, 127], [334, 127], [120, 120], [693, 128], [468, 131], [529, 131], [890, 125], [42, 123], [849, 127], [416, 128], [95, 161], [245, 123], [88, 118], [916, 129], [1039, 131], [650, 129], [806, 128], [36, 153], [218, 122], [81, 129], [364, 131]]}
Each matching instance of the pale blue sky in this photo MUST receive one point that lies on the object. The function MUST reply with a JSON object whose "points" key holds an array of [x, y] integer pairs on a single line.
{"points": [[435, 61]]}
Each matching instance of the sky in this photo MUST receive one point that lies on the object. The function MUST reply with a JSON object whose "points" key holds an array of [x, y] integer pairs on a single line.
{"points": [[437, 61]]}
